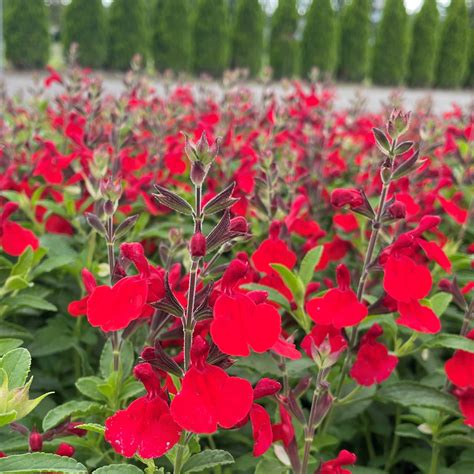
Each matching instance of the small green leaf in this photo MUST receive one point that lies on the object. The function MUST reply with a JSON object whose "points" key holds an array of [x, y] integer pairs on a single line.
{"points": [[30, 301], [451, 341], [16, 364], [23, 264], [440, 302], [88, 387], [292, 281], [207, 459], [7, 418], [52, 264], [15, 283], [119, 469], [8, 344], [40, 462], [68, 410], [414, 394], [310, 260], [93, 427]]}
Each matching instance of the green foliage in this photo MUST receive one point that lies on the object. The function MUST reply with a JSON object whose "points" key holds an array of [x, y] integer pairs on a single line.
{"points": [[171, 35], [423, 46], [453, 47], [26, 33], [391, 45], [470, 74], [210, 37], [283, 44], [127, 33], [319, 44], [354, 42], [247, 37], [84, 24]]}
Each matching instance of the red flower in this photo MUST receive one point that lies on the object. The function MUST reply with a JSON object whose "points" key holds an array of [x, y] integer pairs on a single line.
{"points": [[13, 237], [417, 317], [324, 334], [113, 308], [373, 363], [334, 466], [273, 250], [261, 429], [146, 427], [345, 222], [78, 308], [240, 324], [450, 207], [341, 197], [209, 397], [339, 307], [465, 398], [404, 280], [284, 431], [460, 368], [65, 449]]}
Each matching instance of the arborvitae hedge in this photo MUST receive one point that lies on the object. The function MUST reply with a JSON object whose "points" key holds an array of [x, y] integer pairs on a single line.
{"points": [[127, 33], [171, 35], [319, 44], [423, 46], [354, 42], [85, 24], [391, 45], [453, 47], [211, 38], [26, 33], [247, 36], [283, 46], [470, 72]]}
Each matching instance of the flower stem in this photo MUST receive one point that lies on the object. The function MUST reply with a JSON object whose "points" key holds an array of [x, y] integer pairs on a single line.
{"points": [[434, 459]]}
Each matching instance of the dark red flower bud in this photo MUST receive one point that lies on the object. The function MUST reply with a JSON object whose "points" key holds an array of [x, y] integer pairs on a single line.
{"points": [[266, 387], [198, 172], [148, 354], [343, 277], [72, 428], [239, 224], [233, 273], [341, 197], [65, 449], [397, 210], [274, 230], [35, 441], [197, 246], [445, 285]]}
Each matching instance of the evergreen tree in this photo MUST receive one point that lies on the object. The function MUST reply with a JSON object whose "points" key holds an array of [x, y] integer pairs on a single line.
{"points": [[247, 38], [391, 45], [283, 47], [319, 44], [453, 47], [423, 46], [26, 33], [470, 72], [354, 43], [127, 33], [84, 24], [171, 35], [210, 38]]}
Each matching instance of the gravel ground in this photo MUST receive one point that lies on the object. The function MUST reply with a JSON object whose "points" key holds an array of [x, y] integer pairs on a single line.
{"points": [[442, 100]]}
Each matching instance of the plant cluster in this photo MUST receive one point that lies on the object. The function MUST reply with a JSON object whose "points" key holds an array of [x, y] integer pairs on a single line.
{"points": [[242, 285]]}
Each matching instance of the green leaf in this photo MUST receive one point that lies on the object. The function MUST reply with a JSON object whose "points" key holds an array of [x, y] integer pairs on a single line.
{"points": [[273, 295], [207, 459], [15, 283], [440, 302], [414, 394], [93, 427], [23, 264], [292, 281], [127, 358], [30, 301], [7, 418], [40, 462], [451, 341], [14, 330], [68, 410], [9, 344], [16, 364], [52, 264], [310, 260], [119, 469], [88, 387], [265, 466]]}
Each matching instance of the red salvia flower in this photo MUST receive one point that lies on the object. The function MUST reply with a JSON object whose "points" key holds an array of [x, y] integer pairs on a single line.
{"points": [[79, 307], [240, 324], [146, 427], [405, 280], [373, 363], [324, 334], [113, 308], [284, 431], [334, 466], [465, 398], [460, 368], [261, 429], [209, 397], [341, 197], [339, 307], [417, 317]]}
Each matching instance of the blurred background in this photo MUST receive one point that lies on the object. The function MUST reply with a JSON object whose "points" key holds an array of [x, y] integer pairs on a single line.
{"points": [[417, 43]]}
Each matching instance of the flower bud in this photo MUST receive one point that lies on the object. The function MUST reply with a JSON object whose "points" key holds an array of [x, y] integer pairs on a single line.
{"points": [[398, 123], [198, 172], [397, 210], [65, 449], [35, 441], [109, 208], [197, 247], [110, 190], [239, 224]]}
